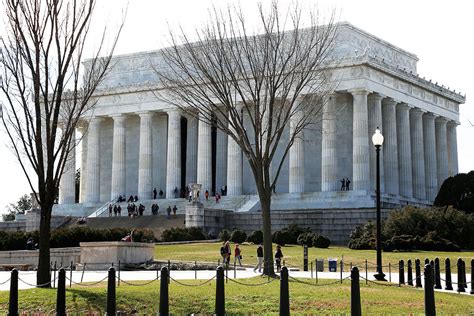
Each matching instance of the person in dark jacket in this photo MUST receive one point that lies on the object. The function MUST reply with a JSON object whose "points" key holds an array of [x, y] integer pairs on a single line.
{"points": [[278, 256], [259, 259]]}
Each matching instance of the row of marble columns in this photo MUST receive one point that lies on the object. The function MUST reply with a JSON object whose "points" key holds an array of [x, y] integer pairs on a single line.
{"points": [[419, 152]]}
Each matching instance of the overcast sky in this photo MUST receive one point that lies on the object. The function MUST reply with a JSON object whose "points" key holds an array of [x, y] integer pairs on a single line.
{"points": [[438, 32]]}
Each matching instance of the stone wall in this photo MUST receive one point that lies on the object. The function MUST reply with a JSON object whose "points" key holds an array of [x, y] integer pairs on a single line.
{"points": [[62, 256], [13, 226], [335, 224]]}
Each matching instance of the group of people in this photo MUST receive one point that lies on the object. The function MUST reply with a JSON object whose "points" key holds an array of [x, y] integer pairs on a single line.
{"points": [[134, 210], [168, 211], [226, 254], [345, 184]]}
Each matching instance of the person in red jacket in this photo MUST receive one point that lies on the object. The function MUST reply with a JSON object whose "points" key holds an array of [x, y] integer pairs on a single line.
{"points": [[237, 255]]}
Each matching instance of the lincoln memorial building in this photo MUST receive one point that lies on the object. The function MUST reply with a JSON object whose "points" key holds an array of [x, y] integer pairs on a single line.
{"points": [[133, 142]]}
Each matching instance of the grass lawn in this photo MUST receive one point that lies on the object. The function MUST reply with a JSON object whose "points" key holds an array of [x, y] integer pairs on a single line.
{"points": [[240, 299], [293, 255]]}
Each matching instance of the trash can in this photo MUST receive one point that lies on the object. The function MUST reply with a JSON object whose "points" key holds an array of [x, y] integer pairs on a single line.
{"points": [[332, 264], [320, 265]]}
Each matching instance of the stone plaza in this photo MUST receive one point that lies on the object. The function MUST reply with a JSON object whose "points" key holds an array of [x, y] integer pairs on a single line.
{"points": [[134, 142]]}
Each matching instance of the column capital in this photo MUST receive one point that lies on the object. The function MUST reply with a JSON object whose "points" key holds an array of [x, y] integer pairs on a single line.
{"points": [[404, 106], [144, 113], [389, 101], [359, 91], [375, 96], [118, 116], [417, 111], [430, 116], [453, 123], [96, 119], [441, 120]]}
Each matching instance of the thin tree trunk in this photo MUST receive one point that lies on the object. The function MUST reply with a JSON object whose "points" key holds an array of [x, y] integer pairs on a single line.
{"points": [[265, 202], [43, 275]]}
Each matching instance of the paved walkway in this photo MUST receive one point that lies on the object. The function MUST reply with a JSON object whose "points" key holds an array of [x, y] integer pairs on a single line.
{"points": [[27, 279]]}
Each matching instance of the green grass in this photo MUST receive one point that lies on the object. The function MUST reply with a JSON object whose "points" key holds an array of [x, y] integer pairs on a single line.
{"points": [[293, 255], [264, 299]]}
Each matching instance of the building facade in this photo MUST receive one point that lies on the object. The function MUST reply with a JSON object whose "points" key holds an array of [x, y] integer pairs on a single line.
{"points": [[134, 143]]}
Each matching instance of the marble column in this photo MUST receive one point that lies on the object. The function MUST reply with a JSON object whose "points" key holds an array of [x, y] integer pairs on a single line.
{"points": [[92, 194], [67, 186], [191, 149], [118, 158], [360, 145], [441, 150], [173, 164], [204, 159], [145, 157], [452, 149], [390, 153], [84, 145], [296, 157], [431, 174], [374, 101], [417, 154], [234, 162], [404, 150], [329, 168]]}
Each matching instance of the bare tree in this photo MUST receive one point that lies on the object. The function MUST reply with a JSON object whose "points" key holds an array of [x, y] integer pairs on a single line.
{"points": [[47, 92], [279, 79]]}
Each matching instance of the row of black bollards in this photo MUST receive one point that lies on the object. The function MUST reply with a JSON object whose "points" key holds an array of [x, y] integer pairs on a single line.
{"points": [[436, 274]]}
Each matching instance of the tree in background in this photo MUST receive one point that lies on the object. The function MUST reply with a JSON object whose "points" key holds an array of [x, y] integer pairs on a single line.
{"points": [[457, 191], [47, 92], [276, 76], [23, 204]]}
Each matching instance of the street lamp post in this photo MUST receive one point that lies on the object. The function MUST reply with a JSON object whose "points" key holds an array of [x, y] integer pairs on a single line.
{"points": [[377, 140]]}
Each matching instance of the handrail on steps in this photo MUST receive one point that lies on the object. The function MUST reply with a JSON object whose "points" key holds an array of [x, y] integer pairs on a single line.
{"points": [[100, 210]]}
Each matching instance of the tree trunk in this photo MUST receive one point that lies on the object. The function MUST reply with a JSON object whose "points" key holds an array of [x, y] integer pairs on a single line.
{"points": [[265, 202], [43, 275]]}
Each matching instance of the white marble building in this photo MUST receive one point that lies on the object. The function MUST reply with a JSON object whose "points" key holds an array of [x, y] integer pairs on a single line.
{"points": [[135, 143]]}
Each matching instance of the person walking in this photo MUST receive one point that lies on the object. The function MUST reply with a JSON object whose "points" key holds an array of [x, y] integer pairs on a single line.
{"points": [[206, 194], [154, 193], [174, 210], [227, 254], [110, 210], [237, 255], [168, 212], [259, 259], [278, 257]]}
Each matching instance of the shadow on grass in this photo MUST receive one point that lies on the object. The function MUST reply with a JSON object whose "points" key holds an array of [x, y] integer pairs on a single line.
{"points": [[93, 301]]}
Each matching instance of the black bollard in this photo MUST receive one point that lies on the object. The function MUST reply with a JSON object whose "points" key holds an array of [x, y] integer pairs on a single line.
{"points": [[220, 292], [305, 257], [111, 304], [164, 308], [13, 300], [460, 282], [61, 294], [430, 309], [409, 273], [418, 273], [464, 281], [432, 264], [284, 293], [448, 283], [472, 277], [401, 272], [356, 309], [437, 273]]}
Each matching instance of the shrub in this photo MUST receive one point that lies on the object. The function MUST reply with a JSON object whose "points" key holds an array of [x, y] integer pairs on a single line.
{"points": [[295, 231], [224, 235], [256, 237], [321, 242], [183, 234], [457, 191], [363, 236], [238, 236], [281, 237], [306, 239]]}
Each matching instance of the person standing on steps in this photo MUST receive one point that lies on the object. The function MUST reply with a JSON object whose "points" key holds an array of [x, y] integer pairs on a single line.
{"points": [[348, 182], [168, 212], [154, 193], [259, 259], [174, 210], [343, 184], [206, 194]]}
